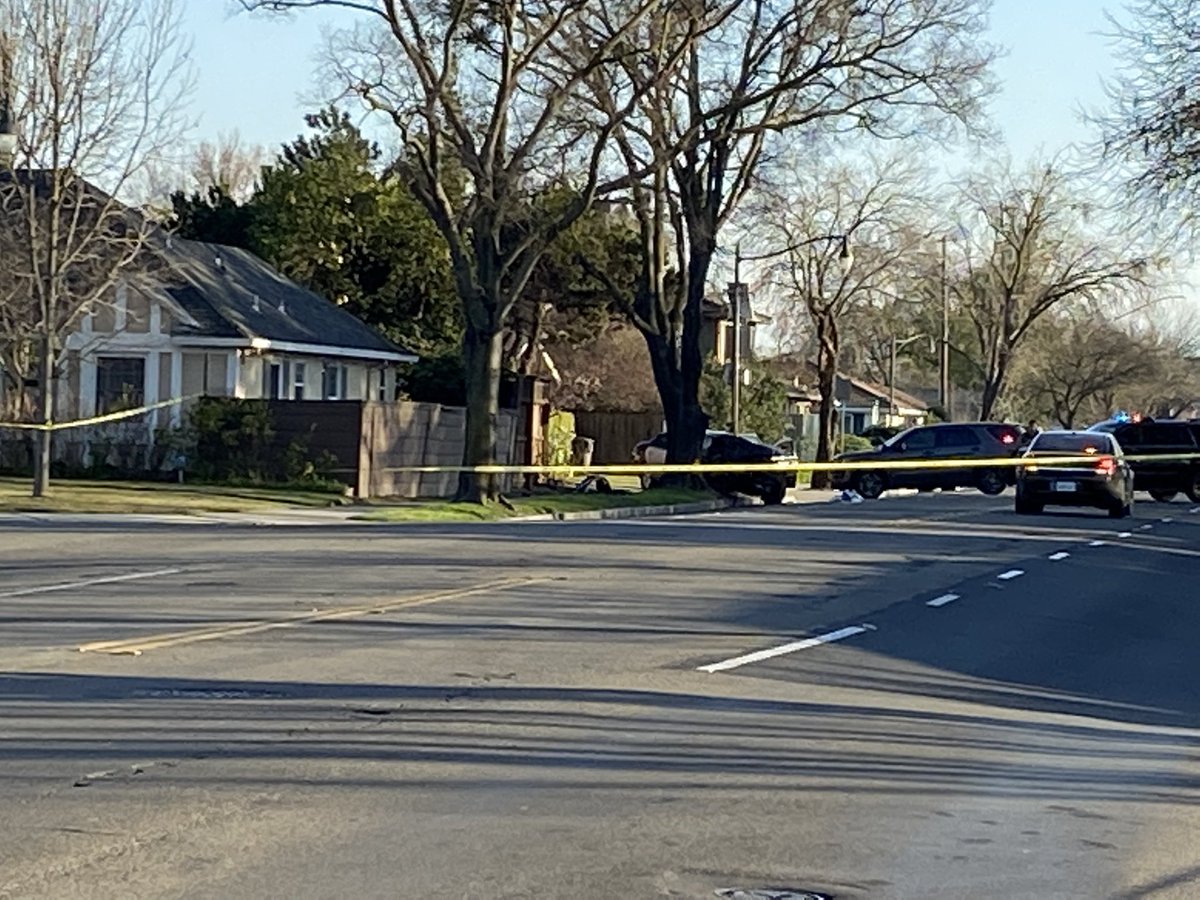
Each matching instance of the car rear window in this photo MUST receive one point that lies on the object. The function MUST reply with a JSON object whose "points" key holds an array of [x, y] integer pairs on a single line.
{"points": [[1073, 443]]}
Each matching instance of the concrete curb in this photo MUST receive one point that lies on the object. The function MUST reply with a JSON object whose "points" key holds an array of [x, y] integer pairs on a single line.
{"points": [[640, 512]]}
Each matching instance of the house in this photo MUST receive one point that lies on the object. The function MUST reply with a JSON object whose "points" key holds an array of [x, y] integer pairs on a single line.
{"points": [[205, 319]]}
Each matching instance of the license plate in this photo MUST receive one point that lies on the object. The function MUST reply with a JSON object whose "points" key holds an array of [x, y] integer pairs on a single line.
{"points": [[1065, 487]]}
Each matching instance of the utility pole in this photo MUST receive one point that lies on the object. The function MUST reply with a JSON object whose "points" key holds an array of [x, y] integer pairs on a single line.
{"points": [[892, 382], [737, 290], [944, 361]]}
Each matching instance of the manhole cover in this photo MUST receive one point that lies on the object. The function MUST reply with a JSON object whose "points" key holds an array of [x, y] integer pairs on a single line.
{"points": [[770, 894]]}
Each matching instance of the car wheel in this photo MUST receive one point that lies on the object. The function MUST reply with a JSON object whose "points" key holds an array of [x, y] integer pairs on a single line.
{"points": [[1121, 510], [1164, 496], [772, 491], [871, 485], [1193, 491], [991, 483]]}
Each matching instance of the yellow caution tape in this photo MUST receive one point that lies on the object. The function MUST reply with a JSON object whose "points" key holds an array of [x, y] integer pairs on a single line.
{"points": [[96, 420], [781, 466]]}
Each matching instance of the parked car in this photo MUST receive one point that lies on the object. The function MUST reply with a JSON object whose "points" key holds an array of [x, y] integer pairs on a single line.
{"points": [[1177, 440], [942, 443], [1102, 479], [723, 447]]}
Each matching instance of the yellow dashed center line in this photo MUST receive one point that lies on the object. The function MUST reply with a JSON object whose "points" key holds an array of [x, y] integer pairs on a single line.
{"points": [[136, 646]]}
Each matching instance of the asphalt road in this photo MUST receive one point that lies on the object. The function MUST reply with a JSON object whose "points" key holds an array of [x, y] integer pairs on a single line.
{"points": [[919, 697]]}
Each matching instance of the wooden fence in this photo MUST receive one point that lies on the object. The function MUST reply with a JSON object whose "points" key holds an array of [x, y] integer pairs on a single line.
{"points": [[616, 433]]}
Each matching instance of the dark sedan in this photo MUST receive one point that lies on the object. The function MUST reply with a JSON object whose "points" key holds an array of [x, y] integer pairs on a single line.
{"points": [[1102, 479]]}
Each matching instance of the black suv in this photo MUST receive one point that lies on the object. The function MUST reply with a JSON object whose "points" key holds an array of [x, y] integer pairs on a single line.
{"points": [[941, 443], [1164, 479]]}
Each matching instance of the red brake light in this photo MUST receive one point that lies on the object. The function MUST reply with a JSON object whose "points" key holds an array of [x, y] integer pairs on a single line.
{"points": [[1008, 438], [1106, 465]]}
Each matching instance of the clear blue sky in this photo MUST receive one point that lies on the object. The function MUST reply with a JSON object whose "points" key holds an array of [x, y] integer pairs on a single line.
{"points": [[254, 71]]}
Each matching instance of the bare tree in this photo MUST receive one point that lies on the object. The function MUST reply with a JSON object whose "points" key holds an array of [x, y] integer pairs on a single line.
{"points": [[228, 164], [1032, 250], [1151, 127], [1079, 360], [875, 208], [95, 87], [752, 76], [484, 100]]}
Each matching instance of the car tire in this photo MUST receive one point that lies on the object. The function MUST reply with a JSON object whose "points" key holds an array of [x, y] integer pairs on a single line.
{"points": [[1193, 491], [870, 485], [772, 491], [1164, 496], [1121, 511], [991, 482]]}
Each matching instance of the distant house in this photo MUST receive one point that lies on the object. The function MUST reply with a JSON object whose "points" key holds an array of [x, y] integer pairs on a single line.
{"points": [[218, 321]]}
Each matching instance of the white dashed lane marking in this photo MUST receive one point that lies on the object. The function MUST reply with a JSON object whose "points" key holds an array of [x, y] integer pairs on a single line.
{"points": [[1061, 554], [1145, 527], [1125, 534], [1010, 574], [840, 635], [1096, 544], [943, 600]]}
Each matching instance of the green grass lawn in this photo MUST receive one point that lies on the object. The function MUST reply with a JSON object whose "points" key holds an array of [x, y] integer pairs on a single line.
{"points": [[86, 496], [538, 504], [152, 497]]}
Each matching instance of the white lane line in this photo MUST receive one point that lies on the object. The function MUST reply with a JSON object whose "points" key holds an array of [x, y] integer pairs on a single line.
{"points": [[1194, 510], [943, 600], [1166, 520], [1125, 534], [88, 582], [1010, 574], [737, 661], [1145, 527], [1096, 544], [1061, 554]]}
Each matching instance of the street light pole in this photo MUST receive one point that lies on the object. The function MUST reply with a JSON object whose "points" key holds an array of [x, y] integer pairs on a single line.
{"points": [[944, 361]]}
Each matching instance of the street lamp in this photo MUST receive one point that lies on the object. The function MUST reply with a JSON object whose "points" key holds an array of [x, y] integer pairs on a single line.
{"points": [[739, 294]]}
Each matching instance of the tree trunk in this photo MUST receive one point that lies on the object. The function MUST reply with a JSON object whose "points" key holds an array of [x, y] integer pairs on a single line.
{"points": [[482, 357], [679, 390], [827, 358], [44, 443]]}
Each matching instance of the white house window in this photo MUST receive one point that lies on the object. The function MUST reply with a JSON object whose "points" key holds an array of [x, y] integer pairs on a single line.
{"points": [[335, 378], [120, 383], [298, 381], [274, 380]]}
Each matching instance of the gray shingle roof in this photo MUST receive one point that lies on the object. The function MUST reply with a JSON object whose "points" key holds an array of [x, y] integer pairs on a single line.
{"points": [[232, 293]]}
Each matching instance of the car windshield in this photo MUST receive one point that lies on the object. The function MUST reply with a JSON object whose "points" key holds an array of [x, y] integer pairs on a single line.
{"points": [[895, 439], [1072, 443]]}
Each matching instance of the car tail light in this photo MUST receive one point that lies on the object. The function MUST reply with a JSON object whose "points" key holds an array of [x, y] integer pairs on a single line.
{"points": [[1008, 438], [1106, 466]]}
